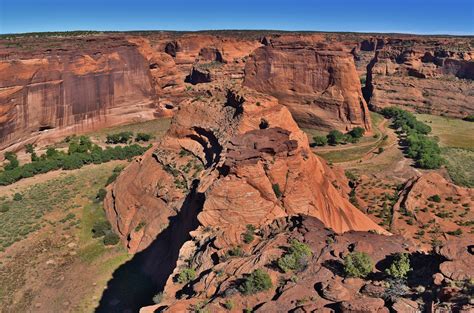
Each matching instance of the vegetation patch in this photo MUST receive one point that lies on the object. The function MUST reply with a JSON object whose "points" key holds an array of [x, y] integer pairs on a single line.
{"points": [[358, 264], [81, 151], [257, 281], [297, 257]]}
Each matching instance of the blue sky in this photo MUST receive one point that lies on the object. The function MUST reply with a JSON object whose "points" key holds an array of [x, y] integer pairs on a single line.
{"points": [[407, 16]]}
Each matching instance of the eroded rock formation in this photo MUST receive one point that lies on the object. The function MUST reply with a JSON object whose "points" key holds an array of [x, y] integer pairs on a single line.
{"points": [[242, 152], [318, 84]]}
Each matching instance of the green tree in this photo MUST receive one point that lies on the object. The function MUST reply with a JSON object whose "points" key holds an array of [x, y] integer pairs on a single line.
{"points": [[320, 140], [12, 161], [356, 132], [400, 266], [358, 264], [335, 137]]}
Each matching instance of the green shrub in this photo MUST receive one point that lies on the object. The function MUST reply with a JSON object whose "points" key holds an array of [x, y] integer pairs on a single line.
{"points": [[101, 195], [186, 275], [457, 232], [101, 228], [12, 161], [229, 304], [335, 137], [122, 137], [469, 118], [400, 266], [320, 140], [257, 281], [357, 132], [435, 198], [235, 252], [111, 239], [143, 137], [277, 191], [296, 258], [249, 236], [17, 197], [358, 264]]}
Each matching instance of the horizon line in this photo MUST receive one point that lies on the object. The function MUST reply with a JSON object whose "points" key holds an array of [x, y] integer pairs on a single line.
{"points": [[246, 30]]}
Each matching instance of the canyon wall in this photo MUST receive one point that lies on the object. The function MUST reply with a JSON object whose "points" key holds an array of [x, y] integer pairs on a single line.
{"points": [[88, 85], [53, 86], [419, 74], [317, 82]]}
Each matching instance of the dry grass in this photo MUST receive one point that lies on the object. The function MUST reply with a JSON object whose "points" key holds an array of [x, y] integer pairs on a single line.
{"points": [[451, 132]]}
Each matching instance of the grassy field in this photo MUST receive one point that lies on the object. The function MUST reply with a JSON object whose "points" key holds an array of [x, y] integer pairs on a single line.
{"points": [[454, 133], [351, 152], [48, 234], [157, 128], [456, 137]]}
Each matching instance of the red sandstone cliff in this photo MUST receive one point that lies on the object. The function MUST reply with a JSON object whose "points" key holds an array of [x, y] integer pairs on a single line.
{"points": [[319, 85]]}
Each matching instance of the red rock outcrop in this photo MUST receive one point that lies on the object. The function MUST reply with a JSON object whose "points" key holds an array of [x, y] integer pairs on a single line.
{"points": [[257, 167], [438, 207], [88, 85], [318, 286], [319, 84], [422, 75]]}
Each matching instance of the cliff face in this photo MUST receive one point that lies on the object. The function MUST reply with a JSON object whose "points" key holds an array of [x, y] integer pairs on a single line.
{"points": [[320, 86], [234, 160], [422, 75], [73, 90], [53, 86]]}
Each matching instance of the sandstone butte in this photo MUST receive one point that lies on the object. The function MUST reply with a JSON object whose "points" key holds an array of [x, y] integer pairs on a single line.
{"points": [[54, 86], [233, 159]]}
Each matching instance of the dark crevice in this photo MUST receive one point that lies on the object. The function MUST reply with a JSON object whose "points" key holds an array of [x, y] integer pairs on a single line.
{"points": [[134, 283], [368, 89]]}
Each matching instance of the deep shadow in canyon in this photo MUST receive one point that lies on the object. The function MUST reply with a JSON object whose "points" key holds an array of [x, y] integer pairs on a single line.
{"points": [[135, 282]]}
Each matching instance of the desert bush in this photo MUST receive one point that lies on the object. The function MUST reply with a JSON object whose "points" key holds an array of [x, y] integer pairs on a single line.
{"points": [[296, 258], [249, 234], [101, 228], [17, 197], [357, 132], [277, 191], [100, 195], [186, 275], [111, 239], [435, 198], [256, 282], [143, 137], [358, 264], [400, 266], [229, 304]]}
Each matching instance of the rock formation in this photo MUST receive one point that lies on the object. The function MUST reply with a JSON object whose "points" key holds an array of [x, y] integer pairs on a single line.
{"points": [[438, 207], [319, 85], [320, 285], [88, 86], [243, 153], [427, 76]]}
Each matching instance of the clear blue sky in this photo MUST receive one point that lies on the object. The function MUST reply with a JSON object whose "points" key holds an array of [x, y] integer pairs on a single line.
{"points": [[407, 16]]}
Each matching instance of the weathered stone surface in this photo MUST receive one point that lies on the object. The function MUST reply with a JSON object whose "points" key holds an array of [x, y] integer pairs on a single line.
{"points": [[320, 87], [253, 173]]}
